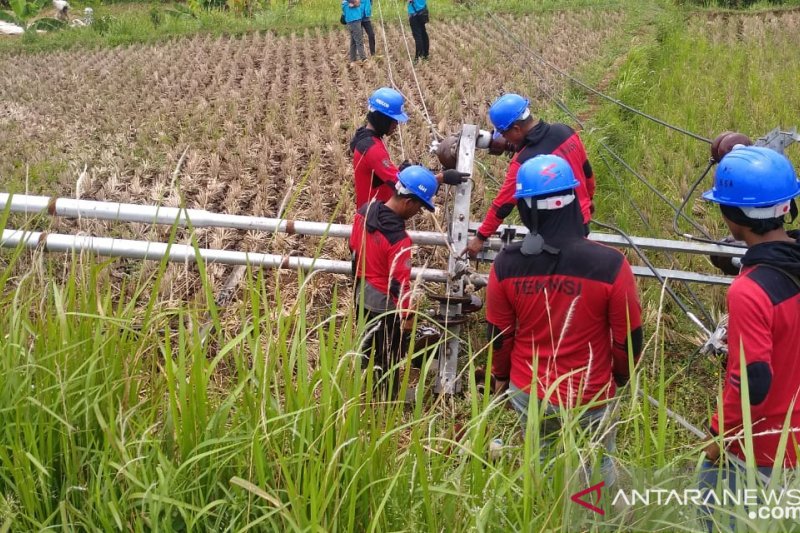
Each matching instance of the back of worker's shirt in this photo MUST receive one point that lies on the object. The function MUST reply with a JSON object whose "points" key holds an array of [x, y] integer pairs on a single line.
{"points": [[566, 312], [375, 174], [764, 328], [382, 258]]}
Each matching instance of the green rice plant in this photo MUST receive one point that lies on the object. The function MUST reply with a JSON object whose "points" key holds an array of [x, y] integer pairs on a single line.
{"points": [[117, 414]]}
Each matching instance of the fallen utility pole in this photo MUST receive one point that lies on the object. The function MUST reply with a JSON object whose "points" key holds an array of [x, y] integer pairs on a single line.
{"points": [[200, 218], [155, 251]]}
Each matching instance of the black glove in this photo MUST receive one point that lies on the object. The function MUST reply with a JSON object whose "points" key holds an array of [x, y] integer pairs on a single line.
{"points": [[404, 165], [621, 379], [454, 177], [727, 264]]}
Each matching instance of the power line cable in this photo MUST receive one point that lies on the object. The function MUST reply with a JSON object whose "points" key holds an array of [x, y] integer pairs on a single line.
{"points": [[561, 105], [591, 89]]}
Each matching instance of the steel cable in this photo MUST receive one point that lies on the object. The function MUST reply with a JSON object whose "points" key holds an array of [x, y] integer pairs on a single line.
{"points": [[561, 105], [591, 89]]}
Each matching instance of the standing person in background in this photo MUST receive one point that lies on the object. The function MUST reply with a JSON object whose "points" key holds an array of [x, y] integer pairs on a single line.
{"points": [[366, 23], [352, 15], [562, 311], [418, 17]]}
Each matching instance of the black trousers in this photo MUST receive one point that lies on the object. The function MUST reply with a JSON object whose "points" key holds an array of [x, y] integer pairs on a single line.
{"points": [[383, 339], [421, 41], [367, 25]]}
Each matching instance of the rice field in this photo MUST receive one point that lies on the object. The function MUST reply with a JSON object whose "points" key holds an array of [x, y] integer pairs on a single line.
{"points": [[118, 413], [264, 120]]}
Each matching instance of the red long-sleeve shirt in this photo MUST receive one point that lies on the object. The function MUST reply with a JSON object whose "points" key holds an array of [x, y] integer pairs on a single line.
{"points": [[575, 316], [763, 328], [382, 257], [544, 138], [375, 174]]}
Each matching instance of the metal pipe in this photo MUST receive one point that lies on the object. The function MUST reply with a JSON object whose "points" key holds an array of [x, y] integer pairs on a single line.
{"points": [[199, 218], [645, 243], [155, 251]]}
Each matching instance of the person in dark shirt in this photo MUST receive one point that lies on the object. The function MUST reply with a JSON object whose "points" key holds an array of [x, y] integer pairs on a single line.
{"points": [[418, 17], [511, 116], [381, 251], [755, 188], [563, 311]]}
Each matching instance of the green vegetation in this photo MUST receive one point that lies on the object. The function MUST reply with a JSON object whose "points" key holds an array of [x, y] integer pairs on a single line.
{"points": [[126, 23], [117, 413]]}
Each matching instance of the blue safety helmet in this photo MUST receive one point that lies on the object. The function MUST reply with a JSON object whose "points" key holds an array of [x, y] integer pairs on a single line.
{"points": [[753, 176], [420, 182], [544, 174], [388, 102], [508, 109]]}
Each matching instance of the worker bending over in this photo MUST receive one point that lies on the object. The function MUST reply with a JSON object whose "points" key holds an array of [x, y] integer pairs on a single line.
{"points": [[563, 311], [375, 174], [511, 116], [381, 251]]}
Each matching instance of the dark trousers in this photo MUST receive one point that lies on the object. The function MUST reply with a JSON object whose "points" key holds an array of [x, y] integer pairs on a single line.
{"points": [[420, 34], [367, 25]]}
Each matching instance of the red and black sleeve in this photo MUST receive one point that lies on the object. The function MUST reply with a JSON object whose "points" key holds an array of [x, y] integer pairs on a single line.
{"points": [[625, 317], [503, 204]]}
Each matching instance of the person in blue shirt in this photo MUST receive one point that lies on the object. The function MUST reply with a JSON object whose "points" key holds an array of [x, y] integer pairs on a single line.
{"points": [[417, 18], [352, 13], [366, 23]]}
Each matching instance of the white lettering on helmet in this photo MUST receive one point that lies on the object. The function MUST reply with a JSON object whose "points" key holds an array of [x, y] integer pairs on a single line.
{"points": [[422, 188]]}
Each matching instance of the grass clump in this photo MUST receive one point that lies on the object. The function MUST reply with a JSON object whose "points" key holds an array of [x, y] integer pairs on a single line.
{"points": [[119, 412]]}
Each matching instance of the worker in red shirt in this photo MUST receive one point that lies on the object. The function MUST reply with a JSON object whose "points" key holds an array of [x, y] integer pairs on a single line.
{"points": [[375, 174], [563, 311], [755, 188], [511, 116], [381, 251]]}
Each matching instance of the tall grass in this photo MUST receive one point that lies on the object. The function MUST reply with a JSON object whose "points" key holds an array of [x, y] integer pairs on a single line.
{"points": [[115, 413]]}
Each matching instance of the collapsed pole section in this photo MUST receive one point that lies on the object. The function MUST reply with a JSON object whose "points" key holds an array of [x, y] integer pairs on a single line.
{"points": [[200, 218], [458, 233], [183, 253]]}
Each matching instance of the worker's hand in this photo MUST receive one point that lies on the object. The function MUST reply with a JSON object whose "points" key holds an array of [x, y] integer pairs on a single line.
{"points": [[500, 385], [407, 324], [454, 177], [712, 451], [474, 246]]}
